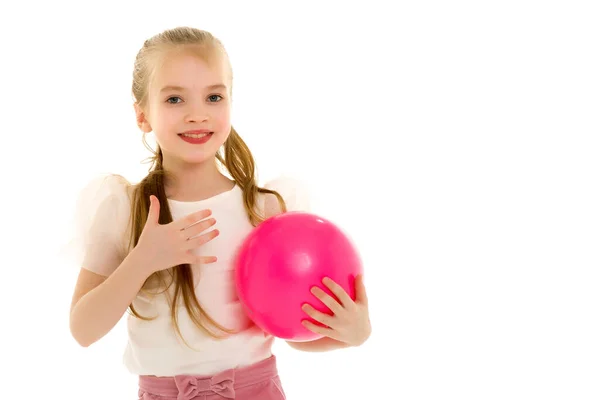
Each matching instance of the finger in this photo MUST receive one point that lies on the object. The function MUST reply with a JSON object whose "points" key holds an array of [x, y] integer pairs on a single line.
{"points": [[339, 292], [153, 210], [318, 316], [326, 299], [202, 239], [321, 330], [194, 259], [197, 228], [191, 219], [206, 260], [361, 291]]}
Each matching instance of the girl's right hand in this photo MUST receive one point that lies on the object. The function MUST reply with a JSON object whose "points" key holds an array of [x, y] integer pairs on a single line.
{"points": [[165, 246]]}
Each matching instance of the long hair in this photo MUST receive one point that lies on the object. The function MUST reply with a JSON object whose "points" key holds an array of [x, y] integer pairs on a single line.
{"points": [[235, 156]]}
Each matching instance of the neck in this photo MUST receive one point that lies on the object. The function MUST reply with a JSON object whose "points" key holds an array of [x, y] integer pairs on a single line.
{"points": [[196, 181]]}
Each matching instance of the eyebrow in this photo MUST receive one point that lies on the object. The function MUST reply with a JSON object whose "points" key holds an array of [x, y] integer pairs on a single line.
{"points": [[182, 89]]}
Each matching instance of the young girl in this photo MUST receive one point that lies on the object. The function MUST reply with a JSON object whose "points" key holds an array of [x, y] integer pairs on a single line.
{"points": [[163, 248]]}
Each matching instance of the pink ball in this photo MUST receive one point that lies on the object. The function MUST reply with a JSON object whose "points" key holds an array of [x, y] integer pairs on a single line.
{"points": [[281, 260]]}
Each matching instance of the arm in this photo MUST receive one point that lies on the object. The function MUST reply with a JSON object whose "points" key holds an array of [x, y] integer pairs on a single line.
{"points": [[296, 196], [99, 302], [319, 345]]}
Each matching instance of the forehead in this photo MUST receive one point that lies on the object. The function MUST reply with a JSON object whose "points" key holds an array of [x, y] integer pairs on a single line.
{"points": [[189, 71]]}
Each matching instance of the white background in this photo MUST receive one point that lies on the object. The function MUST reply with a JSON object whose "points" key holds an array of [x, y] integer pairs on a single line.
{"points": [[456, 142]]}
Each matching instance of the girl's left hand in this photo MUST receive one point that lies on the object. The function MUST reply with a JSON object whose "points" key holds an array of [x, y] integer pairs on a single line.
{"points": [[350, 322]]}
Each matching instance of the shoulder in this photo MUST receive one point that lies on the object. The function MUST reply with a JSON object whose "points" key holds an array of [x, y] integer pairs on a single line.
{"points": [[100, 222], [295, 194], [104, 204], [104, 190], [106, 186]]}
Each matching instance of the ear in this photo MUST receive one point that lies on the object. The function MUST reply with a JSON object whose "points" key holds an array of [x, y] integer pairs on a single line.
{"points": [[140, 117]]}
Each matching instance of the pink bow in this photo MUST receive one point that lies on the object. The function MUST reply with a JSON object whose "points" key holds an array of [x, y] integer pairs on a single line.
{"points": [[190, 387]]}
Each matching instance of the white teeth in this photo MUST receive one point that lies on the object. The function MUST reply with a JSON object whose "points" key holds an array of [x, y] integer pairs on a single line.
{"points": [[195, 135]]}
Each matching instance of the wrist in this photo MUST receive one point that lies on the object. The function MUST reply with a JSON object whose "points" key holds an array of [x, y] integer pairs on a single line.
{"points": [[140, 264]]}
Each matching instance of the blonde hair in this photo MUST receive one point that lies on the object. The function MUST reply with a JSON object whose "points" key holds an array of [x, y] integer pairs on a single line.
{"points": [[235, 156]]}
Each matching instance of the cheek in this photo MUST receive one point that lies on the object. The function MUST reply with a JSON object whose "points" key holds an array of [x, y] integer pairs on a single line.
{"points": [[223, 127], [157, 118], [170, 117], [222, 120], [224, 115]]}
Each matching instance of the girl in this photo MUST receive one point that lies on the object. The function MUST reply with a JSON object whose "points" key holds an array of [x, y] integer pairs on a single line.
{"points": [[163, 248]]}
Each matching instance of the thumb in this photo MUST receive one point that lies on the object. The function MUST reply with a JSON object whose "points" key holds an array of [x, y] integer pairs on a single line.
{"points": [[154, 211], [361, 292]]}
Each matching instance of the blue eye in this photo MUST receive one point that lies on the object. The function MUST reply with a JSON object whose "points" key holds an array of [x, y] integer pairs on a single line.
{"points": [[215, 98], [173, 97]]}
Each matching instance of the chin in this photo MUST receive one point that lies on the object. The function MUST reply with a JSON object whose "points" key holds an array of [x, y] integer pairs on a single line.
{"points": [[195, 153]]}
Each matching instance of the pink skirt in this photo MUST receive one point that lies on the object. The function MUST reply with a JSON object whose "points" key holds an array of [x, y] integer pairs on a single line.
{"points": [[259, 381]]}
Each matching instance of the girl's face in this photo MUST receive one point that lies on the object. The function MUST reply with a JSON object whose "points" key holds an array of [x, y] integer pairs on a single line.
{"points": [[188, 97]]}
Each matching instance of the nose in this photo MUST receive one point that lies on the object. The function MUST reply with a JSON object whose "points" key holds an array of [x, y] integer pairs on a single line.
{"points": [[196, 114], [196, 117]]}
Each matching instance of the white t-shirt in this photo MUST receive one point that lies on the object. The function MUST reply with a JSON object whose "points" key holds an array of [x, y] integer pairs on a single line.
{"points": [[153, 347]]}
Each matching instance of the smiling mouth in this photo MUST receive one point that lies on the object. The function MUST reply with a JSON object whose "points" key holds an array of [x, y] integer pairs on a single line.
{"points": [[196, 135], [196, 138]]}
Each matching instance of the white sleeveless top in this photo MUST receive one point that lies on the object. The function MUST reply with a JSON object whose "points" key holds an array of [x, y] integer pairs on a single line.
{"points": [[154, 347]]}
